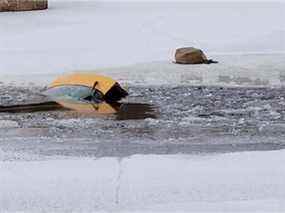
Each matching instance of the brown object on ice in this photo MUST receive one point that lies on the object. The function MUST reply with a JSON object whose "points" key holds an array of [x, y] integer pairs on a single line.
{"points": [[22, 5], [191, 55]]}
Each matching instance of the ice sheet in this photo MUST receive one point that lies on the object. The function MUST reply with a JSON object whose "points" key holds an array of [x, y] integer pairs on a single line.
{"points": [[240, 182], [79, 35]]}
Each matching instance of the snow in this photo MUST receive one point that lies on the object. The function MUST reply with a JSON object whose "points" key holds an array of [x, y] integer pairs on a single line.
{"points": [[80, 35], [240, 182], [8, 124], [253, 70]]}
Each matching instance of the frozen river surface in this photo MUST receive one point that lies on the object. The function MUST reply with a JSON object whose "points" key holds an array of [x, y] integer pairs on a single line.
{"points": [[190, 154], [177, 120]]}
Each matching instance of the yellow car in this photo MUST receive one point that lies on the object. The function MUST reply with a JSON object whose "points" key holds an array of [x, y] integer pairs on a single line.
{"points": [[88, 87]]}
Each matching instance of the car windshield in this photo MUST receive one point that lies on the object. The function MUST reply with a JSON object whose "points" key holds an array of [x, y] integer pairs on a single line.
{"points": [[77, 93]]}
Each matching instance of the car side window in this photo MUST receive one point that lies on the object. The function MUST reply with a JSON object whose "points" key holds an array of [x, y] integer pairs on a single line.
{"points": [[77, 93]]}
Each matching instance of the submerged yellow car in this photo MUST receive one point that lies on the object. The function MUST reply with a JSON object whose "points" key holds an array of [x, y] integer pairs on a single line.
{"points": [[86, 87], [89, 94]]}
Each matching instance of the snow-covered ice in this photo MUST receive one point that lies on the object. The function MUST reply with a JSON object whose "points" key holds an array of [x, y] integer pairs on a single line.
{"points": [[79, 35], [239, 182]]}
